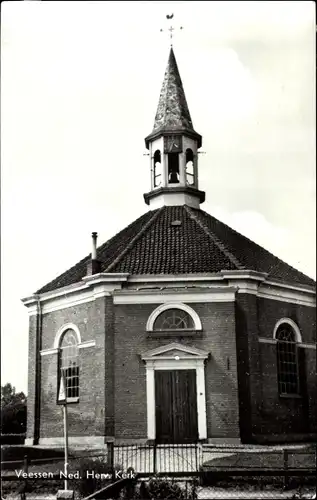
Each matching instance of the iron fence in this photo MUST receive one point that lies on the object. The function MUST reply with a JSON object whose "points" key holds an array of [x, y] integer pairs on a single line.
{"points": [[156, 458], [210, 464]]}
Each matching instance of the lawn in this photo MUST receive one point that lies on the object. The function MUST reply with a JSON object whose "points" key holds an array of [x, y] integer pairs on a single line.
{"points": [[45, 486], [258, 459]]}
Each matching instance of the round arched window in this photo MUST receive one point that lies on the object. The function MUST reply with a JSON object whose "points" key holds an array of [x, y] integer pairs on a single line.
{"points": [[69, 363], [174, 319], [157, 169], [287, 362], [190, 175]]}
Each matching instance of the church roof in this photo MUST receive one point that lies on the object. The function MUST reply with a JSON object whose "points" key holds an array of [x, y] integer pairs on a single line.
{"points": [[172, 111], [179, 240]]}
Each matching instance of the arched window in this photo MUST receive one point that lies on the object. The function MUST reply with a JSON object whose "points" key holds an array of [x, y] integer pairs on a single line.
{"points": [[190, 176], [157, 168], [287, 360], [174, 316], [174, 319], [173, 168], [69, 363]]}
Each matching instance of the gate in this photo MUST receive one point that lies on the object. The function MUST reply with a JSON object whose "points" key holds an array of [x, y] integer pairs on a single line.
{"points": [[161, 459]]}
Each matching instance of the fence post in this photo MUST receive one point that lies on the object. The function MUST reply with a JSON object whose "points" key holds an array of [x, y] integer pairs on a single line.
{"points": [[110, 455], [285, 466], [154, 458], [25, 464], [25, 484]]}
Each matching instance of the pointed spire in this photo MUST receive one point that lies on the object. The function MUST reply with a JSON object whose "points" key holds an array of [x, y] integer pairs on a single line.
{"points": [[172, 111]]}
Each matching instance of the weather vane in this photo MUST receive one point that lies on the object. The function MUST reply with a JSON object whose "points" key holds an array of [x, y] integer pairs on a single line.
{"points": [[171, 28]]}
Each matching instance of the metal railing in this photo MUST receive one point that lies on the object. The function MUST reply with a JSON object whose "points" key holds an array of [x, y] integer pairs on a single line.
{"points": [[156, 458], [208, 463], [283, 464]]}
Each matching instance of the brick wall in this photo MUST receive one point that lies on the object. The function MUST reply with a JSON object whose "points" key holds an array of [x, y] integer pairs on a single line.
{"points": [[113, 378], [31, 399], [270, 311], [93, 414], [218, 338], [248, 363], [109, 361], [85, 316], [279, 416], [262, 410]]}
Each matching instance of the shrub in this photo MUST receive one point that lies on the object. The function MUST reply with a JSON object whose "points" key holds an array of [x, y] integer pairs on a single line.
{"points": [[88, 485], [13, 410], [12, 453], [158, 488], [12, 438]]}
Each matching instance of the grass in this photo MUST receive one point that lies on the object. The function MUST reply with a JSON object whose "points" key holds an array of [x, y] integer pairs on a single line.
{"points": [[13, 456], [43, 486], [17, 452], [217, 468], [261, 460]]}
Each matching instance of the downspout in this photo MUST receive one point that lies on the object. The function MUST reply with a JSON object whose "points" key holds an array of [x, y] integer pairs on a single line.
{"points": [[38, 347]]}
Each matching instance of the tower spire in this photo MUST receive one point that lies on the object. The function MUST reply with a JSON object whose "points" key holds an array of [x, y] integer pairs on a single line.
{"points": [[173, 145], [172, 111]]}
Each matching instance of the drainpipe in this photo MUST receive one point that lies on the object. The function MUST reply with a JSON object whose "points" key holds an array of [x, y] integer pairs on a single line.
{"points": [[38, 347]]}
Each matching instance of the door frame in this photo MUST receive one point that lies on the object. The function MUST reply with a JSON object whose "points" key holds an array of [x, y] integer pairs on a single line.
{"points": [[175, 357], [175, 393]]}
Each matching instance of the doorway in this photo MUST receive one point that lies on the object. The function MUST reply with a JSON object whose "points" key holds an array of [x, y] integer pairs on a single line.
{"points": [[176, 406]]}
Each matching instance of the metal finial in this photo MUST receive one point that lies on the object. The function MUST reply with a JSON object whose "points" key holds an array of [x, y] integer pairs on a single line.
{"points": [[171, 28]]}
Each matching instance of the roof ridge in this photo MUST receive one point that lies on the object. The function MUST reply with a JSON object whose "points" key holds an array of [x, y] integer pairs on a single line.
{"points": [[168, 69], [215, 239], [85, 259], [261, 247], [133, 241]]}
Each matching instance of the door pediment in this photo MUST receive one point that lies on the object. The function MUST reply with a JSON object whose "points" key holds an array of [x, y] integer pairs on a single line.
{"points": [[171, 351], [175, 357]]}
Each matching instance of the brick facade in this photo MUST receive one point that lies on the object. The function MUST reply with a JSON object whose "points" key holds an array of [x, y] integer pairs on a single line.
{"points": [[264, 415], [242, 399], [32, 417], [90, 416], [218, 338], [286, 417]]}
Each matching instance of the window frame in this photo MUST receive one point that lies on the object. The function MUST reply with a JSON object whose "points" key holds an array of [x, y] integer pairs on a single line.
{"points": [[60, 337], [189, 176], [281, 355], [197, 326], [156, 175], [172, 311]]}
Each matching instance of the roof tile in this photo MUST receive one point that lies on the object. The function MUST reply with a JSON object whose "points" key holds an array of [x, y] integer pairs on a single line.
{"points": [[152, 244]]}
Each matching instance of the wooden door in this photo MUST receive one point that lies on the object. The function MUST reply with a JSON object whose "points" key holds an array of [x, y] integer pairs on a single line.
{"points": [[176, 406]]}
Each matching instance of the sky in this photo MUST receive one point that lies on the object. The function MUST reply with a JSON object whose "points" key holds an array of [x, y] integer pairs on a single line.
{"points": [[80, 83]]}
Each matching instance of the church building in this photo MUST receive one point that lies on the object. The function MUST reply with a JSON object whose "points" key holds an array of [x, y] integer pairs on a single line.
{"points": [[178, 329]]}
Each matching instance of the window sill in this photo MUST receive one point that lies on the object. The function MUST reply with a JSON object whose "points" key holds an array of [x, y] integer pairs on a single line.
{"points": [[290, 396], [174, 333], [72, 400]]}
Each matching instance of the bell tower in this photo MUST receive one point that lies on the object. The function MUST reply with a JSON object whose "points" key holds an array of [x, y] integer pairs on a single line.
{"points": [[173, 146]]}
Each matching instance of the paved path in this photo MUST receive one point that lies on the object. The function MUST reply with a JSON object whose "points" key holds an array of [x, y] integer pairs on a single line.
{"points": [[226, 493], [210, 494]]}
